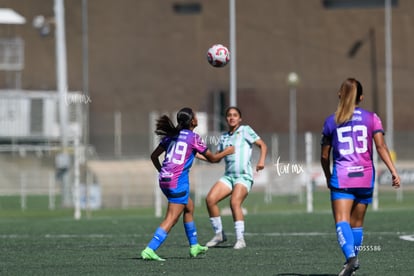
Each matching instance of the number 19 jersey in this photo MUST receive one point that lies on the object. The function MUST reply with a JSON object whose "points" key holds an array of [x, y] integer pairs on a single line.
{"points": [[352, 149]]}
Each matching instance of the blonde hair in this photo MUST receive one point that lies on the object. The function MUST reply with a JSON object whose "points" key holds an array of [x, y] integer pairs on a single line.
{"points": [[349, 97]]}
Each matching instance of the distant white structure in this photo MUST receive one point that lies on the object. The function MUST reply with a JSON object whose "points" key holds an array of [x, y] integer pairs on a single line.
{"points": [[9, 16]]}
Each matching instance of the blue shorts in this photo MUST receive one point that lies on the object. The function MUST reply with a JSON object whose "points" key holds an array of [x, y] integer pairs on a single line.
{"points": [[178, 192], [359, 195], [176, 197]]}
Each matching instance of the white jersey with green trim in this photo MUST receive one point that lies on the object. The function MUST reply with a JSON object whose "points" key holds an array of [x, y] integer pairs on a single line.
{"points": [[240, 161]]}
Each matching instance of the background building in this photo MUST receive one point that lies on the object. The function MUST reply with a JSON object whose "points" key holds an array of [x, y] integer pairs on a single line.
{"points": [[146, 56]]}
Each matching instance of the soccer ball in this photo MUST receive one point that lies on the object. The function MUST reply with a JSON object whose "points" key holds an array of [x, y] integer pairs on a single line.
{"points": [[218, 55]]}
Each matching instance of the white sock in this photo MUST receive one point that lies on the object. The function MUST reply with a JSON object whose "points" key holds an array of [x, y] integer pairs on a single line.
{"points": [[216, 223], [239, 227]]}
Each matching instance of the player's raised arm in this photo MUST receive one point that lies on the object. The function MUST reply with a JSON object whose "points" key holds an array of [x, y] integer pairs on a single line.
{"points": [[216, 157]]}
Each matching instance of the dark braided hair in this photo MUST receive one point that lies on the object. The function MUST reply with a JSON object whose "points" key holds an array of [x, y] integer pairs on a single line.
{"points": [[165, 127], [184, 118]]}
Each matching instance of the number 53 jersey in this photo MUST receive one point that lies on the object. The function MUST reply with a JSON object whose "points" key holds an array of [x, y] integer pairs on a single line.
{"points": [[351, 144]]}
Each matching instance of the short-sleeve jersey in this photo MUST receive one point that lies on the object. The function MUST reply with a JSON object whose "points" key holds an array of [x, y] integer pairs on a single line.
{"points": [[242, 139], [179, 156], [352, 149]]}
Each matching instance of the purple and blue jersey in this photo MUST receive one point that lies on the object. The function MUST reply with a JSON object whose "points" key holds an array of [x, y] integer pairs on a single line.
{"points": [[351, 144], [179, 156]]}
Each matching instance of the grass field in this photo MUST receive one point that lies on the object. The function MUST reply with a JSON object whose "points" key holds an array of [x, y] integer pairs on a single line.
{"points": [[282, 239]]}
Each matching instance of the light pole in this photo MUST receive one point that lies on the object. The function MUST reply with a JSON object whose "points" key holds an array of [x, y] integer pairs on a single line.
{"points": [[44, 26], [293, 81], [233, 68], [373, 59], [388, 78]]}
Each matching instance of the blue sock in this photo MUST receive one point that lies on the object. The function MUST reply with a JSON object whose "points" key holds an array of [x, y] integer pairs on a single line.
{"points": [[191, 232], [358, 233], [345, 239], [159, 237]]}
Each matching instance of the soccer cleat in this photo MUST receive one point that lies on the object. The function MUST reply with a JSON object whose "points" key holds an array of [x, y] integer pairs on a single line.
{"points": [[240, 243], [218, 238], [350, 267], [197, 249], [149, 254]]}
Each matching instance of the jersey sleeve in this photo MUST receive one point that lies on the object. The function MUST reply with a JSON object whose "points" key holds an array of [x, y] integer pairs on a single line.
{"points": [[250, 135], [199, 145], [326, 137], [377, 124]]}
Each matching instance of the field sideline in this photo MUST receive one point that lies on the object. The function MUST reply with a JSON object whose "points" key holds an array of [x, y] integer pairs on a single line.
{"points": [[278, 243]]}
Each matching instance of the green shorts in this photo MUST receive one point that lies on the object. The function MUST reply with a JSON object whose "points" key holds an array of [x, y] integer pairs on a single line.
{"points": [[244, 179]]}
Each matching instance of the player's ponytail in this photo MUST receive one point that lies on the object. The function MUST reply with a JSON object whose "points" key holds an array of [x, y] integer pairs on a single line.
{"points": [[165, 127], [349, 97]]}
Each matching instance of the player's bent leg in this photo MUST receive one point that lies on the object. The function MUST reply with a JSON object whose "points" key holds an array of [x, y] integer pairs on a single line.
{"points": [[188, 211], [217, 193], [174, 211], [239, 194]]}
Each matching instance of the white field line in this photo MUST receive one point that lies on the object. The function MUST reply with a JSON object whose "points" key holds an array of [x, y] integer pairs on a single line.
{"points": [[402, 235], [407, 237]]}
